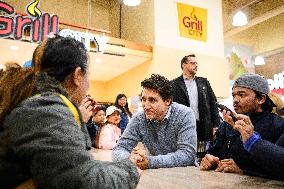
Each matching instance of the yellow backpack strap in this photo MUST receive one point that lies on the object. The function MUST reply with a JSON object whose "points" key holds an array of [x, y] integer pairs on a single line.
{"points": [[72, 108], [29, 184]]}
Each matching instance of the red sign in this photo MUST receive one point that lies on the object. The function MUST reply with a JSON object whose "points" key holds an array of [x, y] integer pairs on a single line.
{"points": [[276, 84], [14, 25]]}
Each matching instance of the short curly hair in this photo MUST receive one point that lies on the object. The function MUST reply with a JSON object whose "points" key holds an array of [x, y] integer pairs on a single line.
{"points": [[160, 84]]}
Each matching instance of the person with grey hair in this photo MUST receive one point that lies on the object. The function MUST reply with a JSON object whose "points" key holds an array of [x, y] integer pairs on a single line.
{"points": [[231, 150]]}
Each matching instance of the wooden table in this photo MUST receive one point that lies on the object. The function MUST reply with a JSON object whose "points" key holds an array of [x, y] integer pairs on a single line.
{"points": [[191, 177], [99, 154]]}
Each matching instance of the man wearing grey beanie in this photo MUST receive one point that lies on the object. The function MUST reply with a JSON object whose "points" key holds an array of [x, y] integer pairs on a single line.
{"points": [[234, 152]]}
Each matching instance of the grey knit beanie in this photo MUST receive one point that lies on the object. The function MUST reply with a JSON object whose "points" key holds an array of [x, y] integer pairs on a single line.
{"points": [[254, 82]]}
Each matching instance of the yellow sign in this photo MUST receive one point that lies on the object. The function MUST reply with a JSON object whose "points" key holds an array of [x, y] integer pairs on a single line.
{"points": [[32, 9], [192, 22]]}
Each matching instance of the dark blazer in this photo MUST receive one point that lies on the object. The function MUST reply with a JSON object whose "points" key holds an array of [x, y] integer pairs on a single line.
{"points": [[208, 111]]}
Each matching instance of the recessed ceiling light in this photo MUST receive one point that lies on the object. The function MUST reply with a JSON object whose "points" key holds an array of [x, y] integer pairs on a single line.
{"points": [[259, 60], [131, 2], [14, 48], [240, 19]]}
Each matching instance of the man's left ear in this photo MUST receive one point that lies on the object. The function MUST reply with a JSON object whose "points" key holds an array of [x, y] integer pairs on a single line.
{"points": [[262, 99], [77, 76]]}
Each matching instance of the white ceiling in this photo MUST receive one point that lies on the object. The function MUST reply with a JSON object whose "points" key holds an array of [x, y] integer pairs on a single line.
{"points": [[110, 67], [257, 11]]}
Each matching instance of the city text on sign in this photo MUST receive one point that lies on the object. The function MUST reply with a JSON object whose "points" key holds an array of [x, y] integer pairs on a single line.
{"points": [[192, 22], [87, 38]]}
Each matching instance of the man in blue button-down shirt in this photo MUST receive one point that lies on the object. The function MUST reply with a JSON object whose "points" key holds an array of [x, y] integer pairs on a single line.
{"points": [[167, 129]]}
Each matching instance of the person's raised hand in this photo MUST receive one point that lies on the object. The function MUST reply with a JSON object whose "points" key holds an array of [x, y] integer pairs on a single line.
{"points": [[227, 116], [244, 126], [86, 108]]}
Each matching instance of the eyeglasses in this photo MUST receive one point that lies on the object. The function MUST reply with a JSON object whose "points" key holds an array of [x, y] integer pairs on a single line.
{"points": [[191, 62]]}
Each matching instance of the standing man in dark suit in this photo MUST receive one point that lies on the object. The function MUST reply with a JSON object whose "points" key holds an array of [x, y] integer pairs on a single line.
{"points": [[196, 92]]}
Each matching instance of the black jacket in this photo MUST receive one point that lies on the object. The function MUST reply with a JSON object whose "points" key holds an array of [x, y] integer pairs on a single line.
{"points": [[229, 145], [270, 157], [208, 111]]}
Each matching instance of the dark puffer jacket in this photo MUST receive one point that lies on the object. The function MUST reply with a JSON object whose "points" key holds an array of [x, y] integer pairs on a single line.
{"points": [[270, 157], [229, 145]]}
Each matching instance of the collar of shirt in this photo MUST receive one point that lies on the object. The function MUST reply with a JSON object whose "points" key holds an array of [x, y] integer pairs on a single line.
{"points": [[185, 78], [165, 118], [168, 113]]}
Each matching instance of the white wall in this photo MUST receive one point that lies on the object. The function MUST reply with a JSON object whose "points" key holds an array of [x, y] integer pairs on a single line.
{"points": [[167, 31]]}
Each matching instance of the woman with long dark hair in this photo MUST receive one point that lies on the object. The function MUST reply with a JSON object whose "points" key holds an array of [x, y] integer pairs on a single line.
{"points": [[121, 103], [43, 142]]}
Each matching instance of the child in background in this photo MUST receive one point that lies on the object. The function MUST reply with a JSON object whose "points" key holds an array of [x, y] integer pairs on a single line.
{"points": [[110, 133], [95, 123]]}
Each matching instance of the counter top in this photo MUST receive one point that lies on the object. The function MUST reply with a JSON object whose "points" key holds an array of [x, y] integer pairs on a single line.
{"points": [[191, 177]]}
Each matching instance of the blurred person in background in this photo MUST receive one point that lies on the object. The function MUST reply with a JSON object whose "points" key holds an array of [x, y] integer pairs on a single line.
{"points": [[197, 93], [279, 104], [110, 133], [95, 123], [125, 115]]}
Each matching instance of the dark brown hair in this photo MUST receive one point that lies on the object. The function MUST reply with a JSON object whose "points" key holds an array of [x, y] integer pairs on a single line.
{"points": [[57, 57], [98, 108], [123, 109], [16, 84], [184, 59], [160, 84], [61, 56]]}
